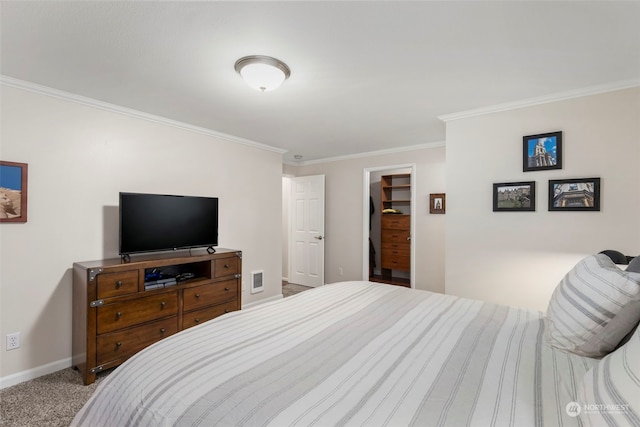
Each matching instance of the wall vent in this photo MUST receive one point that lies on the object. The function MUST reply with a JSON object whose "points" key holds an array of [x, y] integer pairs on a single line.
{"points": [[257, 284]]}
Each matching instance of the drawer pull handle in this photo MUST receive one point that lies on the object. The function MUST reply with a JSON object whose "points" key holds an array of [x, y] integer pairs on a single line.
{"points": [[197, 320], [226, 310], [197, 295], [226, 266], [118, 284], [163, 330], [118, 344], [118, 315], [227, 289], [162, 304]]}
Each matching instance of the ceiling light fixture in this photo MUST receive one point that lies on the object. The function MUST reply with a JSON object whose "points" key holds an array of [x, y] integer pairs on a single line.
{"points": [[262, 72]]}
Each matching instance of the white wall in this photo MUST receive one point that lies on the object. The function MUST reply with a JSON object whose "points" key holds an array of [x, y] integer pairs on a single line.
{"points": [[344, 216], [517, 258], [79, 158]]}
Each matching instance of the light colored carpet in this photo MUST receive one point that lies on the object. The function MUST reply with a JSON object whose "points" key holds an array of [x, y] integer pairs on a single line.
{"points": [[47, 401], [53, 400]]}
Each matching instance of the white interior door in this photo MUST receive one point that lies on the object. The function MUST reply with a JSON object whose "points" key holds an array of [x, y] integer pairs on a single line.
{"points": [[306, 249]]}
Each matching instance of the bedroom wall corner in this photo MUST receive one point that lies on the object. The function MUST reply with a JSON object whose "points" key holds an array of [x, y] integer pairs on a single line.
{"points": [[79, 158], [518, 258]]}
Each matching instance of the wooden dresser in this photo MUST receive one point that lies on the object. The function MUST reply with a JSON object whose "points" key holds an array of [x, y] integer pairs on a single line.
{"points": [[115, 314], [396, 244]]}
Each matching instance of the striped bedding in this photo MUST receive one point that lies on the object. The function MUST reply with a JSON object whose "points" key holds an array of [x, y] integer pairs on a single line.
{"points": [[353, 354]]}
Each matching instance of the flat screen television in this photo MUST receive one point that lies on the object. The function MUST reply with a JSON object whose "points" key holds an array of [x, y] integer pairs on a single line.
{"points": [[159, 222]]}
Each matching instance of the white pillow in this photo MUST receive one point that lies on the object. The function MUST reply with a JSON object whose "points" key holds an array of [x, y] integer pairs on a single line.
{"points": [[610, 391], [595, 305]]}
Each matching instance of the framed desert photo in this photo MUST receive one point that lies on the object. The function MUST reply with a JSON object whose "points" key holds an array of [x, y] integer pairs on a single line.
{"points": [[437, 203], [582, 194], [13, 192], [514, 196], [542, 152]]}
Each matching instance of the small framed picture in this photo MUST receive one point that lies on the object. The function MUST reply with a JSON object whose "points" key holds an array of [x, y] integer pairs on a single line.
{"points": [[13, 192], [542, 152], [581, 194], [437, 203], [514, 196]]}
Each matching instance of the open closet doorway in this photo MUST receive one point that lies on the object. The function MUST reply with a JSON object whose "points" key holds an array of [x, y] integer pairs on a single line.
{"points": [[389, 224]]}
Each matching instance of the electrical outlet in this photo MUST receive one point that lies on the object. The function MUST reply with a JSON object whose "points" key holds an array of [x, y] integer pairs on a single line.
{"points": [[340, 271], [13, 341]]}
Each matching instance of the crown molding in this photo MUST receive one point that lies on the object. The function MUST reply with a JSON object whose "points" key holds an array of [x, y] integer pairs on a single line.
{"points": [[562, 96], [368, 154], [112, 108]]}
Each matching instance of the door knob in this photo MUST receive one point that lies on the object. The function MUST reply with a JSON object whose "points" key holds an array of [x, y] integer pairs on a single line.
{"points": [[319, 237]]}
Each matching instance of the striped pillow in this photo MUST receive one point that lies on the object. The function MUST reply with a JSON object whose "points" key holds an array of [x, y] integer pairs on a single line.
{"points": [[608, 394], [595, 305]]}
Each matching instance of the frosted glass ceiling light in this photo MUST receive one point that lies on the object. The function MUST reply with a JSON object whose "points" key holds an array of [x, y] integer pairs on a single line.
{"points": [[262, 72]]}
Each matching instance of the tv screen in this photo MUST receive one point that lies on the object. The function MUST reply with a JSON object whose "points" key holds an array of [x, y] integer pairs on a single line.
{"points": [[157, 222]]}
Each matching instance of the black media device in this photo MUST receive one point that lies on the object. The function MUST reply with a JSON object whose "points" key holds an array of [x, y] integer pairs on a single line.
{"points": [[159, 222]]}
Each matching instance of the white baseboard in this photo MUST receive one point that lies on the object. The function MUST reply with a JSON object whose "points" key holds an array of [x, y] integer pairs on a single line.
{"points": [[29, 374], [285, 279], [262, 301]]}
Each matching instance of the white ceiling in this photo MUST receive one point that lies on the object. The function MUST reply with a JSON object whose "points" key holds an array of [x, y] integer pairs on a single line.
{"points": [[366, 76]]}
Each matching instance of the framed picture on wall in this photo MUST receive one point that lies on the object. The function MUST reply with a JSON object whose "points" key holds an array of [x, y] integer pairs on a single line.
{"points": [[13, 192], [542, 152], [581, 194], [514, 196], [437, 203]]}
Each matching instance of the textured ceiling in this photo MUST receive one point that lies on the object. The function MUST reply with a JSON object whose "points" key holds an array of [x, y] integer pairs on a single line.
{"points": [[366, 76]]}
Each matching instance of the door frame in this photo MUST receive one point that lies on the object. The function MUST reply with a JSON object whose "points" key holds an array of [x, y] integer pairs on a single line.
{"points": [[366, 193]]}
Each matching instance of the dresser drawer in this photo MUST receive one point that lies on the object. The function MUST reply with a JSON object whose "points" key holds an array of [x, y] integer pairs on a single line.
{"points": [[116, 345], [396, 262], [395, 236], [392, 249], [396, 222], [215, 293], [116, 284], [200, 316], [128, 313], [224, 267]]}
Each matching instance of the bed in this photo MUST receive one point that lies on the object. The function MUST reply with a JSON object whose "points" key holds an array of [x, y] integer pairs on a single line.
{"points": [[351, 353]]}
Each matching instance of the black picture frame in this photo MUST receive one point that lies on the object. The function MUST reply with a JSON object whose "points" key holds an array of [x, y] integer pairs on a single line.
{"points": [[13, 191], [514, 196], [578, 194], [542, 152]]}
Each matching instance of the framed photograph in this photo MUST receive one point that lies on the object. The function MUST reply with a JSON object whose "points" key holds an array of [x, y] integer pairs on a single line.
{"points": [[542, 152], [581, 194], [13, 192], [514, 196], [437, 203]]}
